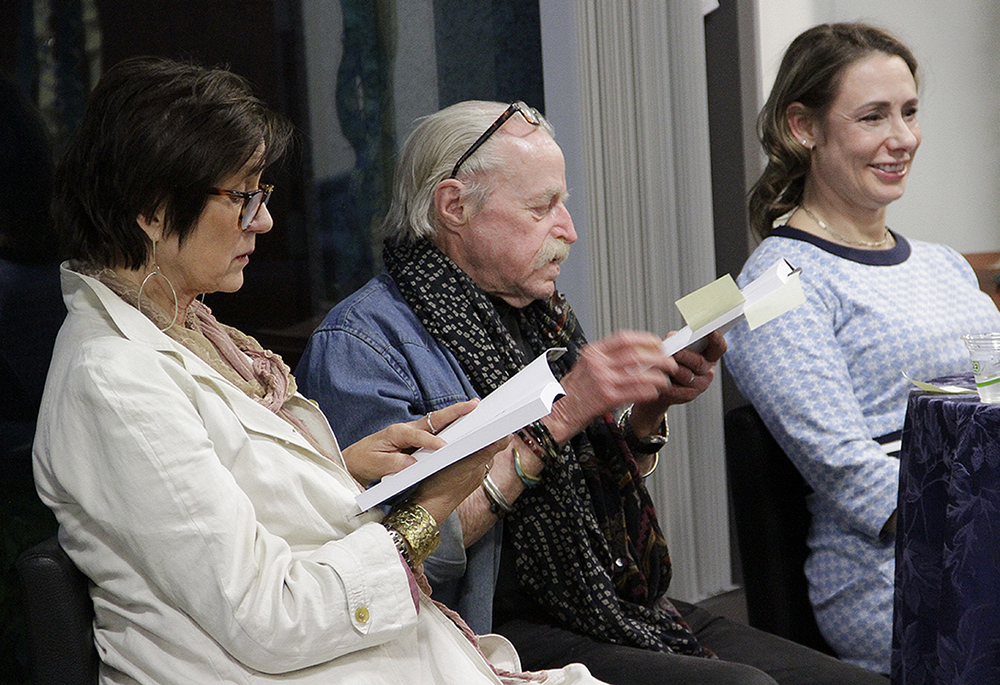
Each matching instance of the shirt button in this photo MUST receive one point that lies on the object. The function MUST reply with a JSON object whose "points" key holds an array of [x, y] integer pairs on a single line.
{"points": [[619, 562], [361, 615]]}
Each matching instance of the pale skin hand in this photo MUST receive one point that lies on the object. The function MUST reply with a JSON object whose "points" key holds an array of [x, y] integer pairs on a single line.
{"points": [[389, 450], [443, 492], [696, 372], [612, 375], [630, 368], [625, 368], [474, 513]]}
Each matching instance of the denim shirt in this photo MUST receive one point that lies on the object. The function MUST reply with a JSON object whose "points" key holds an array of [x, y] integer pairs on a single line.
{"points": [[371, 363]]}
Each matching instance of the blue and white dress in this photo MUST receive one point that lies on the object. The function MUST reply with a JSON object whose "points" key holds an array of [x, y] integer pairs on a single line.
{"points": [[827, 379]]}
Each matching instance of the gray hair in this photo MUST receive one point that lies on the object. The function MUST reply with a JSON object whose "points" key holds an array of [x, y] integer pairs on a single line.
{"points": [[427, 158]]}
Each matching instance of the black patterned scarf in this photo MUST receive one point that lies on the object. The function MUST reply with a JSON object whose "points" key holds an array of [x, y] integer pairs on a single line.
{"points": [[588, 546]]}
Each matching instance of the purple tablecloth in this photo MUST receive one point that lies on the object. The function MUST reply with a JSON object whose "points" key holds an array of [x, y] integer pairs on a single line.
{"points": [[946, 627]]}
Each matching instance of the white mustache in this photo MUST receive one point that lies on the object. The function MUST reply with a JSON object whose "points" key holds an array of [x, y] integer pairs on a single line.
{"points": [[554, 250]]}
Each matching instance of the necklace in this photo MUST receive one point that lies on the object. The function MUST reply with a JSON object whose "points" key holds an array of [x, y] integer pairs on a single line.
{"points": [[858, 243]]}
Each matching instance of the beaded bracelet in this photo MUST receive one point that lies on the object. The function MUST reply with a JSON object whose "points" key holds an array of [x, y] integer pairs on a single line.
{"points": [[418, 528], [544, 437], [540, 441], [532, 445], [529, 481]]}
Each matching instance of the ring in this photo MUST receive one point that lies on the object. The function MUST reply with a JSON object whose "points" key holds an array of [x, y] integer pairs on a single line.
{"points": [[429, 424]]}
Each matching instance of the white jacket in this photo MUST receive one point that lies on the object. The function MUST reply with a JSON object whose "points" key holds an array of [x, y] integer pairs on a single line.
{"points": [[222, 546]]}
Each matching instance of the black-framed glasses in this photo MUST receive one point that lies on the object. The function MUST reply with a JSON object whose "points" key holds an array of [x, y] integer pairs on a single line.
{"points": [[529, 114], [252, 201]]}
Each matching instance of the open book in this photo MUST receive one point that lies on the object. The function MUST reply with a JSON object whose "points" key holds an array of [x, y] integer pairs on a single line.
{"points": [[526, 397], [720, 305]]}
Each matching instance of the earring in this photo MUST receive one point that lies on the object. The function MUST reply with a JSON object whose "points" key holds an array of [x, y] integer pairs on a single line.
{"points": [[806, 145], [156, 272]]}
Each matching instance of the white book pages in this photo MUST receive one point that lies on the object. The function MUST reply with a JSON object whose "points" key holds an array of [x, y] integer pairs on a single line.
{"points": [[526, 397], [771, 294]]}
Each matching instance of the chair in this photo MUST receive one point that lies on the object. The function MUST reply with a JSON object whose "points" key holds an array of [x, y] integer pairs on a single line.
{"points": [[59, 614], [772, 523]]}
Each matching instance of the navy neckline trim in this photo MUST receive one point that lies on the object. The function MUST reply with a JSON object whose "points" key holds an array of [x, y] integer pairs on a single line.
{"points": [[897, 255]]}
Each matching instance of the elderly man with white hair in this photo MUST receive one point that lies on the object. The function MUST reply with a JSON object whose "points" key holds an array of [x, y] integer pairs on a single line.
{"points": [[560, 549]]}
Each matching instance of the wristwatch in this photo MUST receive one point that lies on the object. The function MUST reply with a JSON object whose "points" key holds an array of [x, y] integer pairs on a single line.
{"points": [[646, 445]]}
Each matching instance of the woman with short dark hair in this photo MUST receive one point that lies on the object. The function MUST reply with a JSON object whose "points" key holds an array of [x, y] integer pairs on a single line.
{"points": [[208, 502]]}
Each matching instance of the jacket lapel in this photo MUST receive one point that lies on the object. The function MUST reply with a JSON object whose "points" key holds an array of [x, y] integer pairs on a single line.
{"points": [[253, 416]]}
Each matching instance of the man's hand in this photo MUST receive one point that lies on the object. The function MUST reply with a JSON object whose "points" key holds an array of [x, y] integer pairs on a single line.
{"points": [[626, 368], [441, 493], [694, 374]]}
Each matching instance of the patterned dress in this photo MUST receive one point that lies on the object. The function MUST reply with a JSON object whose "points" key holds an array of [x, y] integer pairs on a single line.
{"points": [[827, 380]]}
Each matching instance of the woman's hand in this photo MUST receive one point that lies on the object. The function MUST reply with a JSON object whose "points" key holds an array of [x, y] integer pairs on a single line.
{"points": [[441, 493], [390, 450]]}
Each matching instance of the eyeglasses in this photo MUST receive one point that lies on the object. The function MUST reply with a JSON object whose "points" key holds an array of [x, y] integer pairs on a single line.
{"points": [[530, 115], [252, 201]]}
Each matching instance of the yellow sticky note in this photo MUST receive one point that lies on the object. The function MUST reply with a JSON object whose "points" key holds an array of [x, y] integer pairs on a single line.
{"points": [[708, 303]]}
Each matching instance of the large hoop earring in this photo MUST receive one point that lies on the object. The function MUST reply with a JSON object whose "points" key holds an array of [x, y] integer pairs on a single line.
{"points": [[156, 272]]}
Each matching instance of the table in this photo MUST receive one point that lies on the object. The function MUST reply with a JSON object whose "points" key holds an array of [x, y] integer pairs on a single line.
{"points": [[946, 624]]}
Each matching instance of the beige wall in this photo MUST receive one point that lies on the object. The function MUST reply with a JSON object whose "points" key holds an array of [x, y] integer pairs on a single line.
{"points": [[953, 195]]}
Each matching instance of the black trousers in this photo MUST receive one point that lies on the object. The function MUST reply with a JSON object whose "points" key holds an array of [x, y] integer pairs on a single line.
{"points": [[747, 656]]}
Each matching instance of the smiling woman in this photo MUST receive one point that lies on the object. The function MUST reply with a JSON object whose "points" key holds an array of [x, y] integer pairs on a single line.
{"points": [[861, 151], [840, 130]]}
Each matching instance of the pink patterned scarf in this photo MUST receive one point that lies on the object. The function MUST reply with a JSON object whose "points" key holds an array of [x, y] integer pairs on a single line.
{"points": [[259, 373]]}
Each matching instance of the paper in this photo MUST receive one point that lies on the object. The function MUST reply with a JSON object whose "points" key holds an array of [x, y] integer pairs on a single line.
{"points": [[946, 389], [525, 397], [771, 294]]}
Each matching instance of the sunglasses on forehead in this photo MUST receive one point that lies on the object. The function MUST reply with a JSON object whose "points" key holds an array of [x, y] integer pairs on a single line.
{"points": [[530, 115]]}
